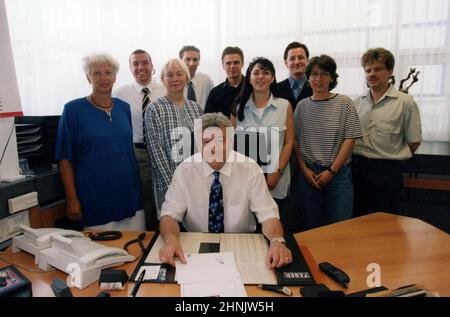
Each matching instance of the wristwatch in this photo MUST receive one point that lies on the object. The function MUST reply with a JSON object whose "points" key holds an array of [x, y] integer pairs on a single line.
{"points": [[332, 171], [278, 239], [281, 171]]}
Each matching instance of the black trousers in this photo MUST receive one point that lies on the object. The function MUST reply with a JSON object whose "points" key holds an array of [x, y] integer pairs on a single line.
{"points": [[377, 185]]}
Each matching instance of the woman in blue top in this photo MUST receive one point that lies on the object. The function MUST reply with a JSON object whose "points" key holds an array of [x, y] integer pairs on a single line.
{"points": [[94, 148], [257, 107]]}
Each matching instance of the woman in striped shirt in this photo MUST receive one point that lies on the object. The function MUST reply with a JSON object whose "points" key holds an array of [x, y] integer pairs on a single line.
{"points": [[326, 126]]}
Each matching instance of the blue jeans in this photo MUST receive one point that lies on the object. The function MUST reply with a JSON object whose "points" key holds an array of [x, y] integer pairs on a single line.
{"points": [[331, 204]]}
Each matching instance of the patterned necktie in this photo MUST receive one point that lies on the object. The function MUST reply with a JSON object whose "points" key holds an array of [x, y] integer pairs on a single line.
{"points": [[191, 92], [215, 223], [296, 89], [145, 98]]}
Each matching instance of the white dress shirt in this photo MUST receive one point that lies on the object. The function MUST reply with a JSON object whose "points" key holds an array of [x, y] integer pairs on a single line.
{"points": [[132, 94], [202, 84], [245, 194]]}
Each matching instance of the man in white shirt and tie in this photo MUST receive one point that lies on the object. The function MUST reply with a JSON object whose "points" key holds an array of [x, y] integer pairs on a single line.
{"points": [[201, 84], [211, 194], [139, 94]]}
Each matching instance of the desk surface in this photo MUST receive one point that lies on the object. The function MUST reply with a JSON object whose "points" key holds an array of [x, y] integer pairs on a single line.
{"points": [[408, 251]]}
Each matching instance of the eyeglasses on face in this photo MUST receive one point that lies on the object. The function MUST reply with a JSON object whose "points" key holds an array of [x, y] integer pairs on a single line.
{"points": [[320, 74]]}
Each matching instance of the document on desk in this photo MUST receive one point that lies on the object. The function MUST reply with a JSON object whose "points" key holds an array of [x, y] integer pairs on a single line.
{"points": [[210, 274], [250, 251], [231, 288], [190, 242]]}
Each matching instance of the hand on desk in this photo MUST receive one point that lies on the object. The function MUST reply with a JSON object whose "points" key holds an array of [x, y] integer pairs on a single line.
{"points": [[279, 255], [171, 250]]}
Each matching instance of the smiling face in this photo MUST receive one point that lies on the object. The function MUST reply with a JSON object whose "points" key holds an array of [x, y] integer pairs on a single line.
{"points": [[174, 79], [296, 62], [377, 75], [320, 80], [142, 68], [260, 78], [102, 77]]}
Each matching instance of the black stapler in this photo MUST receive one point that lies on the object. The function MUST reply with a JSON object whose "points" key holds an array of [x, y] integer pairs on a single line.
{"points": [[335, 273]]}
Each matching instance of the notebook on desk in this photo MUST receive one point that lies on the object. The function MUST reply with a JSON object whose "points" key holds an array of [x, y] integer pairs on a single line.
{"points": [[249, 250]]}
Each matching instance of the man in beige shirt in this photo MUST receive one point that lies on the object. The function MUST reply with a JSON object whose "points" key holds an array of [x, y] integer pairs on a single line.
{"points": [[391, 126]]}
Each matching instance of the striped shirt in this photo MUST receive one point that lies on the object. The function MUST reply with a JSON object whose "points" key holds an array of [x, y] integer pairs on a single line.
{"points": [[322, 126], [165, 123]]}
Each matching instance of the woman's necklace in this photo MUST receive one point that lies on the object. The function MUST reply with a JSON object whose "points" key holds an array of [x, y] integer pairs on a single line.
{"points": [[107, 110]]}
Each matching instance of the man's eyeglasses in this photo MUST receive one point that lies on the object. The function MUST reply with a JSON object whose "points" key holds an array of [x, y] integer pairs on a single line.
{"points": [[321, 74]]}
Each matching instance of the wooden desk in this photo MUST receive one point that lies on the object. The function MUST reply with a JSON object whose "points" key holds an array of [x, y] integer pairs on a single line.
{"points": [[41, 281], [408, 251]]}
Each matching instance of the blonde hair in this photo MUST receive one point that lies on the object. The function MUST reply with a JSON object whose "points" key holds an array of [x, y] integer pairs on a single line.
{"points": [[175, 62]]}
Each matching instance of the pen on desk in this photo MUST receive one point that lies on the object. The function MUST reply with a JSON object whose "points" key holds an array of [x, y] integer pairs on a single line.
{"points": [[276, 288], [138, 284]]}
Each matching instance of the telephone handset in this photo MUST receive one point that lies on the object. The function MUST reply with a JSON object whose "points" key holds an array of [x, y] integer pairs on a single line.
{"points": [[35, 240], [42, 236], [88, 253], [70, 252]]}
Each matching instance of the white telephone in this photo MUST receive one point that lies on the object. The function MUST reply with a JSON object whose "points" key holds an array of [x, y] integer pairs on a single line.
{"points": [[71, 252], [34, 240]]}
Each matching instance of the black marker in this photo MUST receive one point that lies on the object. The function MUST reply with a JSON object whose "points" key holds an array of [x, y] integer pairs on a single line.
{"points": [[138, 284]]}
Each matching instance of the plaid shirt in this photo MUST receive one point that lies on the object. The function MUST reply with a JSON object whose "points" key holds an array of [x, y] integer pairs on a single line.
{"points": [[162, 118]]}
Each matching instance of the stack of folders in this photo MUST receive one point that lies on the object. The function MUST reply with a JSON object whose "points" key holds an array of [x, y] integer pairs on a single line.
{"points": [[413, 290]]}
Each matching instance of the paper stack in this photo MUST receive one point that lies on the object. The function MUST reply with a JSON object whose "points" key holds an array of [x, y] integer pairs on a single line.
{"points": [[210, 274]]}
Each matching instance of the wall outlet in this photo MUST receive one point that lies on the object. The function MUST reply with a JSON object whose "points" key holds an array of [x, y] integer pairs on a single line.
{"points": [[23, 202]]}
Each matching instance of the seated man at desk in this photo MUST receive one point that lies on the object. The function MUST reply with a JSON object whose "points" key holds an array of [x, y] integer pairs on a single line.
{"points": [[212, 194]]}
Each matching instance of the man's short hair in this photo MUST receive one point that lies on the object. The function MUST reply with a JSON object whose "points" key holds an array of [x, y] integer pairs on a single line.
{"points": [[215, 119], [139, 51], [295, 45], [188, 48], [378, 54], [233, 50], [326, 63]]}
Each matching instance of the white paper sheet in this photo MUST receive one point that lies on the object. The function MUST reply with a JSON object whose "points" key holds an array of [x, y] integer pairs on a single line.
{"points": [[231, 288], [151, 272], [250, 251], [190, 242], [207, 267]]}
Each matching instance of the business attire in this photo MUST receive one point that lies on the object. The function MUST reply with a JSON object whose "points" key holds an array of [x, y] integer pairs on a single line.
{"points": [[100, 148], [388, 126], [163, 120], [202, 85], [245, 194], [133, 94], [222, 97], [291, 216], [321, 128], [287, 90]]}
